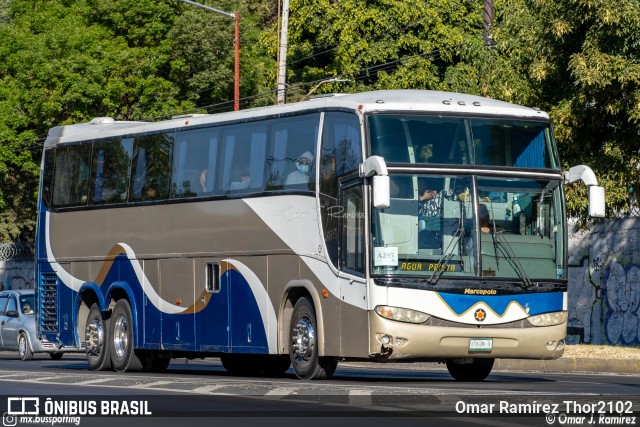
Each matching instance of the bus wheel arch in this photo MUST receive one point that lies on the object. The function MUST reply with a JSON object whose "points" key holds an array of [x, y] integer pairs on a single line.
{"points": [[295, 290], [87, 297]]}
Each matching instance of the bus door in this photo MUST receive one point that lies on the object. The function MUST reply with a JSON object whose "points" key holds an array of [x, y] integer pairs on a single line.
{"points": [[352, 254]]}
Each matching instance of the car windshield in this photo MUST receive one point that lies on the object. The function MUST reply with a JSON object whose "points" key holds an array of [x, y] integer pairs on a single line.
{"points": [[440, 225], [27, 304]]}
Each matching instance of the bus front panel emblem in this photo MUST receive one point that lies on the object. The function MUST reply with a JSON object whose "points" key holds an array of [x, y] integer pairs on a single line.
{"points": [[480, 315]]}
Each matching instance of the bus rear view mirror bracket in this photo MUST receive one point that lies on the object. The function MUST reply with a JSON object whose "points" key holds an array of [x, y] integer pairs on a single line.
{"points": [[596, 193], [375, 166]]}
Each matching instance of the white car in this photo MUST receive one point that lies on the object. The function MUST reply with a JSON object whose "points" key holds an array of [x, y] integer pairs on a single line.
{"points": [[18, 326]]}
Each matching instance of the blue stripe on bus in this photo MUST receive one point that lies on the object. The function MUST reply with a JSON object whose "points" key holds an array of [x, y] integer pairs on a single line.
{"points": [[534, 303]]}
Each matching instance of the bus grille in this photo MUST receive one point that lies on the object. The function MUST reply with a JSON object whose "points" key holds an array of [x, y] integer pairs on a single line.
{"points": [[48, 303]]}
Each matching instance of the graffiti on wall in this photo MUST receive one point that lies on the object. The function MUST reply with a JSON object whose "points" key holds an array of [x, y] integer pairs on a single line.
{"points": [[604, 284]]}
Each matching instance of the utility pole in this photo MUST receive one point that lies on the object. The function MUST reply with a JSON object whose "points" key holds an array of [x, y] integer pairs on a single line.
{"points": [[236, 65], [282, 64], [488, 16]]}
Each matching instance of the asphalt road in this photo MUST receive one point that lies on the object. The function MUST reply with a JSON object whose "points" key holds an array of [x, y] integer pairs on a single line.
{"points": [[202, 393]]}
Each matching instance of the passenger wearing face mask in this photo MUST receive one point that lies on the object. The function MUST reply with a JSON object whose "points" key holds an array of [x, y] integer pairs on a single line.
{"points": [[303, 167]]}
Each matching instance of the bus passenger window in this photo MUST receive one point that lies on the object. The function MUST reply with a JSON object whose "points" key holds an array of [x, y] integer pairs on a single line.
{"points": [[71, 182], [151, 167]]}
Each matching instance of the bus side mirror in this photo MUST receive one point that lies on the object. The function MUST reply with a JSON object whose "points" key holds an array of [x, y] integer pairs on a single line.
{"points": [[596, 202], [376, 167], [381, 192]]}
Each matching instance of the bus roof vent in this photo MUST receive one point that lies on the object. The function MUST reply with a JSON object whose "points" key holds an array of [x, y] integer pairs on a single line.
{"points": [[102, 121]]}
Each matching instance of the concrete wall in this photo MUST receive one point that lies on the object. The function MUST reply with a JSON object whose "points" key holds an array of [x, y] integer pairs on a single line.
{"points": [[17, 270], [17, 275], [604, 283]]}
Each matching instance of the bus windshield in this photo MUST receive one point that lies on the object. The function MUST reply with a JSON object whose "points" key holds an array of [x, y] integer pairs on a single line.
{"points": [[440, 225], [403, 138]]}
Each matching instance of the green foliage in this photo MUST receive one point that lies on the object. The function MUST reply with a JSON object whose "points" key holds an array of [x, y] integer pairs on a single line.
{"points": [[582, 59], [64, 61]]}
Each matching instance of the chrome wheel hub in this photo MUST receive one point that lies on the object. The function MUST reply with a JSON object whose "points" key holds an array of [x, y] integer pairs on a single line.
{"points": [[303, 339], [22, 345], [94, 336], [121, 336]]}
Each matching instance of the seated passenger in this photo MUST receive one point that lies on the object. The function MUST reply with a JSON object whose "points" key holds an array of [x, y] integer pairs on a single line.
{"points": [[484, 218], [303, 167], [242, 180]]}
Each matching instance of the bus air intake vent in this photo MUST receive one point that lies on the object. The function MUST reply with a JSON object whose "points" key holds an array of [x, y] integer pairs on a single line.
{"points": [[48, 303]]}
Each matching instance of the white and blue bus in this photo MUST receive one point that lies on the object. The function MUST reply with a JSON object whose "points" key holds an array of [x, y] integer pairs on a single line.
{"points": [[384, 226]]}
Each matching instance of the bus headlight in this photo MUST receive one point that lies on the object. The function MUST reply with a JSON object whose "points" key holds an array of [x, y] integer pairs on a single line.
{"points": [[402, 314], [549, 319]]}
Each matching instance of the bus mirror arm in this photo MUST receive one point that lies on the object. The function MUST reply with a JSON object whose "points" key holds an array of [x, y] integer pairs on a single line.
{"points": [[596, 193], [376, 167]]}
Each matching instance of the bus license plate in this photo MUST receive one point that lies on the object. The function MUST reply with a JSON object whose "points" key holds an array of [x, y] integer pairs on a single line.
{"points": [[480, 344]]}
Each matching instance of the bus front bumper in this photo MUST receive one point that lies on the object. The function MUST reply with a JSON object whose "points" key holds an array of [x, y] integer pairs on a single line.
{"points": [[397, 341]]}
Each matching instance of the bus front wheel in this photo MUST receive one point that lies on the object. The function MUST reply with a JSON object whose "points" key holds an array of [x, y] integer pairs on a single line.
{"points": [[303, 345], [123, 356], [96, 340], [476, 371]]}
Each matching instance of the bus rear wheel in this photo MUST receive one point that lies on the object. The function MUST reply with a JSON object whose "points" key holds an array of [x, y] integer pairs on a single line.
{"points": [[123, 356], [96, 340], [476, 371], [303, 345]]}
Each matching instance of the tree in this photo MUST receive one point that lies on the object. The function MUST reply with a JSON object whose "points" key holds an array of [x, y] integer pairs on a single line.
{"points": [[582, 61]]}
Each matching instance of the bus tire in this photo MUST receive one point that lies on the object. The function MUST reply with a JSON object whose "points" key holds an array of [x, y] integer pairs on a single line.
{"points": [[123, 356], [96, 337], [275, 365], [303, 345], [476, 371], [24, 350], [152, 362]]}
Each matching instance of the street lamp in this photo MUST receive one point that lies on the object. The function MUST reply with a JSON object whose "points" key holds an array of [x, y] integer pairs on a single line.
{"points": [[321, 82], [236, 69]]}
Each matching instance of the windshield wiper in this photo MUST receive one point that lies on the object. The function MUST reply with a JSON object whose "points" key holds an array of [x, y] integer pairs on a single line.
{"points": [[511, 256], [446, 256]]}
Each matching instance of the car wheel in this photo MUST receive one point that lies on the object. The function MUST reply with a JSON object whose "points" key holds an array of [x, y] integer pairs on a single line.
{"points": [[96, 340], [123, 356], [24, 350]]}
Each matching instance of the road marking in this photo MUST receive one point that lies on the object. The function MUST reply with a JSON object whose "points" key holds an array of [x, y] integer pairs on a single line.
{"points": [[95, 381], [281, 392], [360, 397], [153, 384], [208, 388]]}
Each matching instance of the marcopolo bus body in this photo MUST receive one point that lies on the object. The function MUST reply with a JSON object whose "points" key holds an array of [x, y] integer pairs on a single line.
{"points": [[386, 226]]}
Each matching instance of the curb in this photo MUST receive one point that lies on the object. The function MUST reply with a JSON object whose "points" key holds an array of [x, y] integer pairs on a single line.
{"points": [[593, 366]]}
